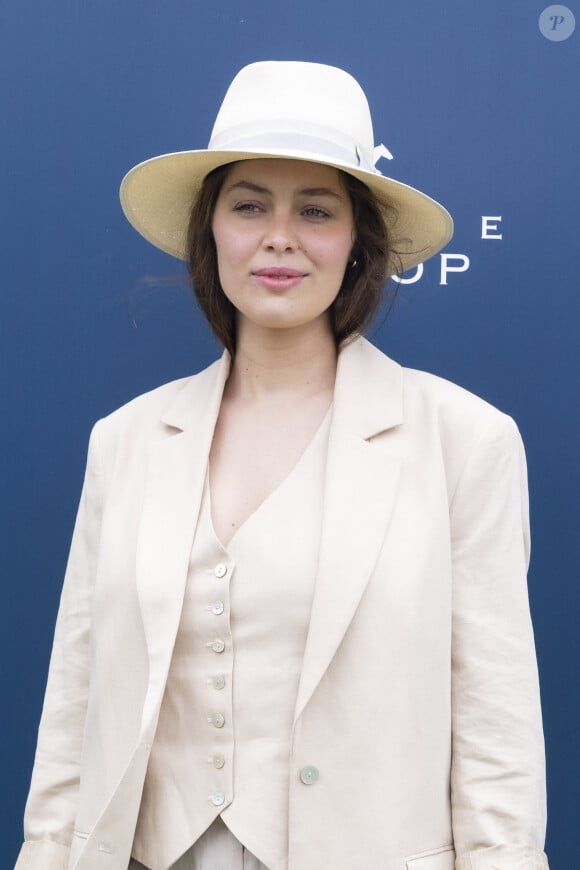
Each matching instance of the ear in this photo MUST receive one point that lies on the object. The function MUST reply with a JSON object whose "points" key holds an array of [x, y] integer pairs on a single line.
{"points": [[354, 255]]}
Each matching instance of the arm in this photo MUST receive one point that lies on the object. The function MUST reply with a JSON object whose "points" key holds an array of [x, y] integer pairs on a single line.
{"points": [[497, 775], [52, 801]]}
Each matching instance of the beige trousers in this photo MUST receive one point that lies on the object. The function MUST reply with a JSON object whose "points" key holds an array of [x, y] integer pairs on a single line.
{"points": [[217, 849]]}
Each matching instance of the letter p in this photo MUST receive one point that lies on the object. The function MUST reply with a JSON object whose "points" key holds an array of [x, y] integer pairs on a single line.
{"points": [[556, 20], [446, 268]]}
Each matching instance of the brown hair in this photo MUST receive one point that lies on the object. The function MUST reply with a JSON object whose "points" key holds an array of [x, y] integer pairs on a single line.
{"points": [[363, 285]]}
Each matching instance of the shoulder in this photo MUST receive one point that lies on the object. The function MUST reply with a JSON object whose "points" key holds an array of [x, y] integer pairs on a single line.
{"points": [[150, 404], [471, 440], [447, 401], [466, 427], [419, 393], [172, 404], [427, 415]]}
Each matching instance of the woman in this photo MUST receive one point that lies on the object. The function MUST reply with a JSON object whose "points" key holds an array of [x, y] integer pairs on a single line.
{"points": [[294, 630]]}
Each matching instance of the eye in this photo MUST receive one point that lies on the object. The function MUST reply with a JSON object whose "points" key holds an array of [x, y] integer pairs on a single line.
{"points": [[314, 211], [248, 208]]}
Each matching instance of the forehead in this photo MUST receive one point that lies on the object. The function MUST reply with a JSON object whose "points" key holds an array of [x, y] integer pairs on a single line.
{"points": [[273, 172]]}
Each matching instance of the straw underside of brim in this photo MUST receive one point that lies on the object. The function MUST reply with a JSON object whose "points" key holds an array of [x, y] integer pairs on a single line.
{"points": [[156, 197]]}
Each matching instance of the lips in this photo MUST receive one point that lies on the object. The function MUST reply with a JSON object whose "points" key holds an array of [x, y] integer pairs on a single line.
{"points": [[278, 277], [279, 272]]}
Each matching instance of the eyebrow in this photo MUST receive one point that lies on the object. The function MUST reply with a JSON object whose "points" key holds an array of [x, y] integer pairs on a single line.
{"points": [[306, 191]]}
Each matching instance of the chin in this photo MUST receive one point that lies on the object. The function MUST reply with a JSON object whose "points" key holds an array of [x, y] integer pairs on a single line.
{"points": [[276, 317]]}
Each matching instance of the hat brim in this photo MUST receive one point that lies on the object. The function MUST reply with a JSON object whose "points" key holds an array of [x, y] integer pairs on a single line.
{"points": [[157, 195]]}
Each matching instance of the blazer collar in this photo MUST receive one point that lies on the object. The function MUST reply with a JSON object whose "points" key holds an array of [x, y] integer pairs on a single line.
{"points": [[368, 393], [200, 397]]}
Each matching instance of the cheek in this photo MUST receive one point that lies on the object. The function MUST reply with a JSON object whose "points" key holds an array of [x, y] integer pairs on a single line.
{"points": [[334, 252], [233, 242], [230, 246]]}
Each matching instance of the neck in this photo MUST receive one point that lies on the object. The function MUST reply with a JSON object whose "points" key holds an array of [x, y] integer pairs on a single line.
{"points": [[283, 364]]}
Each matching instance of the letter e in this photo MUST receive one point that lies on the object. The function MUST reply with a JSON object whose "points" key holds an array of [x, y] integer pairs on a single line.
{"points": [[490, 226]]}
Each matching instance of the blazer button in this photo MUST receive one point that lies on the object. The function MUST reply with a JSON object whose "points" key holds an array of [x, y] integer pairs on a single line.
{"points": [[220, 570], [309, 774]]}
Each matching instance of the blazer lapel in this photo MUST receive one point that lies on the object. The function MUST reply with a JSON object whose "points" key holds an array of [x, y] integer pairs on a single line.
{"points": [[360, 487], [175, 481]]}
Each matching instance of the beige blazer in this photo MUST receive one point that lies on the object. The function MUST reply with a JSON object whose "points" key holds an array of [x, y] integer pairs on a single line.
{"points": [[418, 703]]}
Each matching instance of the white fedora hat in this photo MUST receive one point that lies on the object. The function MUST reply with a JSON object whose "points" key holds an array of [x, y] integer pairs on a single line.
{"points": [[302, 111]]}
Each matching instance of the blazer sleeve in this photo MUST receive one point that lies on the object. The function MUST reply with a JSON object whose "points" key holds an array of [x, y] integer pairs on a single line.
{"points": [[52, 800], [497, 774]]}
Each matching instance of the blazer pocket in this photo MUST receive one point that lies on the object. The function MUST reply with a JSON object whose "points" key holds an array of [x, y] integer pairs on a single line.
{"points": [[438, 859]]}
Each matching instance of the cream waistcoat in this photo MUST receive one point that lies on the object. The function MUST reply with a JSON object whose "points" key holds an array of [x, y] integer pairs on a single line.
{"points": [[223, 738]]}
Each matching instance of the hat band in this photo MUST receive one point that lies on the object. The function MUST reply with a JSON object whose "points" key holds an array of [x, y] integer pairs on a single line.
{"points": [[316, 144]]}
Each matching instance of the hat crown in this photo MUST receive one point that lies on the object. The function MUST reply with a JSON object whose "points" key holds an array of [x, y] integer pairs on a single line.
{"points": [[312, 107]]}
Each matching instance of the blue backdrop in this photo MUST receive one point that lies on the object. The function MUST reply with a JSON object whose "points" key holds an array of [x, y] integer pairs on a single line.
{"points": [[478, 106]]}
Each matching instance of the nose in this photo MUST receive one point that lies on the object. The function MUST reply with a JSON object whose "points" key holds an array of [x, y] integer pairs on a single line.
{"points": [[280, 235]]}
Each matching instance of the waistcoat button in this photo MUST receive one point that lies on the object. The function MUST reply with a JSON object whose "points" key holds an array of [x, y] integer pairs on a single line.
{"points": [[217, 608], [220, 570], [218, 646], [217, 798], [217, 719], [219, 681], [309, 774], [218, 761]]}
